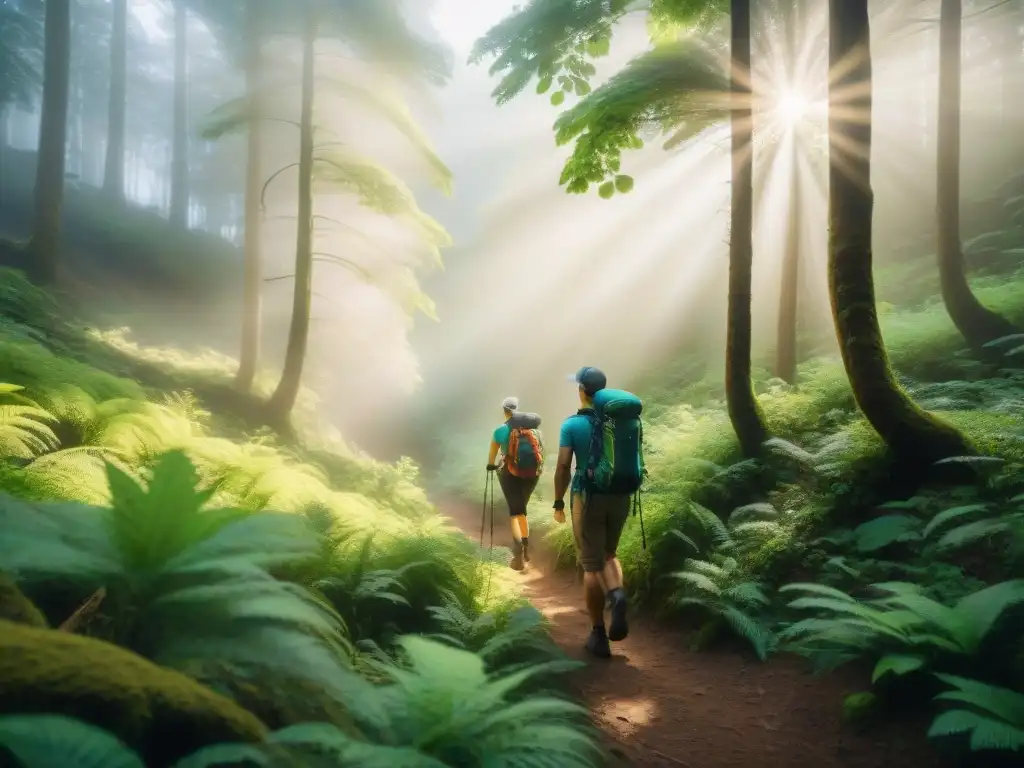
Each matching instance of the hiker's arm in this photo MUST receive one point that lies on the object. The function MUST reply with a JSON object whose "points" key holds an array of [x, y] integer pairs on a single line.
{"points": [[493, 454], [563, 472]]}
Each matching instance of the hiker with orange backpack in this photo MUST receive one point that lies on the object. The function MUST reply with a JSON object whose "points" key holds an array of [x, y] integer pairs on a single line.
{"points": [[522, 450]]}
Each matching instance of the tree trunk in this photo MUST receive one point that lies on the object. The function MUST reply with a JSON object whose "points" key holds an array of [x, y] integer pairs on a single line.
{"points": [[910, 432], [179, 140], [44, 247], [976, 324], [744, 411], [113, 174], [284, 397], [252, 312], [789, 291]]}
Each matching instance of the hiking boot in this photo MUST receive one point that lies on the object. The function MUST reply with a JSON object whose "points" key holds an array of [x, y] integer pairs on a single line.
{"points": [[619, 627], [526, 550], [597, 643], [516, 563]]}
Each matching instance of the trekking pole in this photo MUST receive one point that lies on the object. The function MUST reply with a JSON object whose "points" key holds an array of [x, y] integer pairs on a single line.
{"points": [[483, 510], [492, 515]]}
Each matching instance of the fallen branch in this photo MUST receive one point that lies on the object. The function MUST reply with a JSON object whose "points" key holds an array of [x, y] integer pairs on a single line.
{"points": [[84, 611]]}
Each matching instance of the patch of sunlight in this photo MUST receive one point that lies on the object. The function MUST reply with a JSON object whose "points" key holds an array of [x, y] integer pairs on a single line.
{"points": [[551, 611], [626, 715]]}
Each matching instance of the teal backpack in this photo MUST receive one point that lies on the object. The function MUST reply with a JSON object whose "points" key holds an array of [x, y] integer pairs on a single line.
{"points": [[616, 461]]}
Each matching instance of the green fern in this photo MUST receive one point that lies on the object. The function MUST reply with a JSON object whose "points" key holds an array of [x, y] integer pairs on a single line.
{"points": [[966, 533], [992, 716], [719, 588], [26, 429], [885, 531], [184, 582], [439, 707], [904, 624]]}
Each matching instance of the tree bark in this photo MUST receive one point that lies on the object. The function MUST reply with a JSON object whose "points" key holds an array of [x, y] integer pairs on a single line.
{"points": [[252, 311], [977, 324], [179, 140], [283, 400], [44, 247], [911, 433], [744, 411], [113, 173], [789, 291]]}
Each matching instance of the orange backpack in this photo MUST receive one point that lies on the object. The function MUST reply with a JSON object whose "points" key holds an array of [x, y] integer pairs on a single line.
{"points": [[525, 456]]}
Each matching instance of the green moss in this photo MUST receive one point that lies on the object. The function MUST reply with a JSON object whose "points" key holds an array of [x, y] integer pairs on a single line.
{"points": [[859, 707], [160, 713], [14, 606]]}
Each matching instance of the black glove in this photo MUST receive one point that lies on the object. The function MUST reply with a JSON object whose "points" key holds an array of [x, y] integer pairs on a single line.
{"points": [[559, 505], [491, 467]]}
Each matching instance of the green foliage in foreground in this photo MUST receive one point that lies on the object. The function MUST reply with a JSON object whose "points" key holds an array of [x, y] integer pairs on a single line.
{"points": [[208, 576]]}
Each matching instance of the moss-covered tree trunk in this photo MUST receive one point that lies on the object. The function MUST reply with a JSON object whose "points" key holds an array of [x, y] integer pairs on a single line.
{"points": [[977, 324], [744, 411], [252, 313], [909, 431], [179, 138], [284, 397], [113, 173], [44, 247]]}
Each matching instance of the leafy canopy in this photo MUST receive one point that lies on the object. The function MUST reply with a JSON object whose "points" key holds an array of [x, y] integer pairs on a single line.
{"points": [[21, 47], [671, 88], [677, 89]]}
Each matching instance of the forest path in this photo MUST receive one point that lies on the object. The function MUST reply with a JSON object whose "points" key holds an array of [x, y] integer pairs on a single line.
{"points": [[660, 704]]}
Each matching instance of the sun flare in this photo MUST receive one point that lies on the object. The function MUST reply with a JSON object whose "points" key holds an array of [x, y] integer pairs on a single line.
{"points": [[793, 107]]}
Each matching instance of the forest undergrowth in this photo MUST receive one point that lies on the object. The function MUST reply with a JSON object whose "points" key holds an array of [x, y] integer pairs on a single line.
{"points": [[176, 589], [826, 547]]}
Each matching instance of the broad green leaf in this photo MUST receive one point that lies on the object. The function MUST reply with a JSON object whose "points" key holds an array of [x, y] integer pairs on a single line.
{"points": [[897, 664]]}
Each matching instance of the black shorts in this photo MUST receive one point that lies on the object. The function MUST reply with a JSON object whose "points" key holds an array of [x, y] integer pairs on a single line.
{"points": [[517, 491]]}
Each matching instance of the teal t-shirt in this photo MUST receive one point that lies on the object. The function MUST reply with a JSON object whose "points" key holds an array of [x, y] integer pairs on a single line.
{"points": [[501, 436], [575, 434]]}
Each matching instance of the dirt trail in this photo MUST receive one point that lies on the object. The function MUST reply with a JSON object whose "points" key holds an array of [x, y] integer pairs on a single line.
{"points": [[660, 704]]}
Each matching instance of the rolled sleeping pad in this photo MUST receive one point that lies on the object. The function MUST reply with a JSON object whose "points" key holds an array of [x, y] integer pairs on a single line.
{"points": [[618, 403], [524, 421]]}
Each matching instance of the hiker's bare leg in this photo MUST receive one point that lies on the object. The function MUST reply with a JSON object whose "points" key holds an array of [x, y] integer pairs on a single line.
{"points": [[612, 574], [594, 595], [524, 526], [616, 513], [517, 528]]}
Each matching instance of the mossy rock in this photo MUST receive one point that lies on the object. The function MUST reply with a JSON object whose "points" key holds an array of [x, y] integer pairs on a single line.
{"points": [[14, 606], [160, 713]]}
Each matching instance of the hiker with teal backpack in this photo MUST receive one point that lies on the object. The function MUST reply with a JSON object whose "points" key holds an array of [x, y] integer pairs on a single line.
{"points": [[605, 436], [522, 449]]}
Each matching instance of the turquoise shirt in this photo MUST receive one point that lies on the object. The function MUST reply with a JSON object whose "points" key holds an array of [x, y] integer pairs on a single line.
{"points": [[575, 434], [501, 436]]}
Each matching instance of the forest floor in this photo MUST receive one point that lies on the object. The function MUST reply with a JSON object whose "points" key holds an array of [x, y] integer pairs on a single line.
{"points": [[660, 704]]}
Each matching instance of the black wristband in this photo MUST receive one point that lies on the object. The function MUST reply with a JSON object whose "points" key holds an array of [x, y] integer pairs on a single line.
{"points": [[559, 505]]}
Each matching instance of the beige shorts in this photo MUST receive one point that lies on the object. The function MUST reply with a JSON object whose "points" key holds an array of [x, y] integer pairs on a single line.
{"points": [[597, 523]]}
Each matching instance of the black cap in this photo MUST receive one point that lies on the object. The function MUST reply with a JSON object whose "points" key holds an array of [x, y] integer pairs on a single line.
{"points": [[591, 379]]}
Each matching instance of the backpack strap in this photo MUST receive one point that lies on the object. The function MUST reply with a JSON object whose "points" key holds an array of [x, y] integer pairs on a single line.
{"points": [[595, 442]]}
